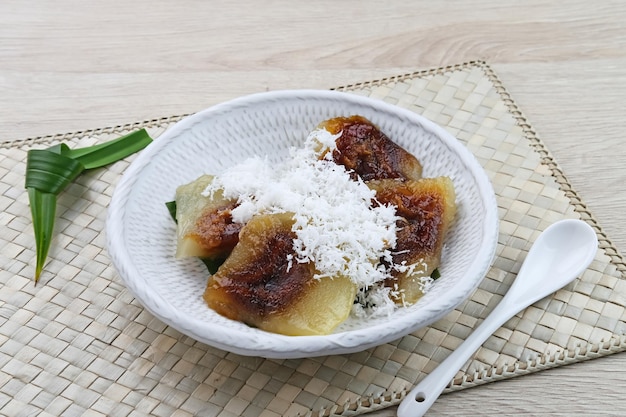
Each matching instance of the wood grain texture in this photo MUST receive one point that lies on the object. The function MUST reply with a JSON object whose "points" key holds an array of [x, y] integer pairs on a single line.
{"points": [[67, 66]]}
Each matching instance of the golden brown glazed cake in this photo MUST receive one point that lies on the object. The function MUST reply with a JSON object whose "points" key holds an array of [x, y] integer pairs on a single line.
{"points": [[205, 227], [363, 149], [427, 208], [262, 284]]}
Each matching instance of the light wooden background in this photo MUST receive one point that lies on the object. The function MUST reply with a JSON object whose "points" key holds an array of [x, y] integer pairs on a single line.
{"points": [[70, 65]]}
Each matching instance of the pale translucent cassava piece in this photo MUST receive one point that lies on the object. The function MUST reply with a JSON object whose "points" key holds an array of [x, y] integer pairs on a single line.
{"points": [[205, 227]]}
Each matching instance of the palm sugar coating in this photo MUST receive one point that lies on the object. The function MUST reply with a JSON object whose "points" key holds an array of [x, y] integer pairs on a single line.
{"points": [[205, 227], [215, 230], [426, 209], [422, 220], [365, 151], [258, 279]]}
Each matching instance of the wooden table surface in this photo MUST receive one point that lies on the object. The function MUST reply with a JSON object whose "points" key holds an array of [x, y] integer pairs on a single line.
{"points": [[69, 65]]}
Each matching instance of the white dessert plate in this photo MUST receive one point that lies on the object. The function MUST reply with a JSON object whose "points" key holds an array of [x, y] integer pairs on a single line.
{"points": [[141, 236]]}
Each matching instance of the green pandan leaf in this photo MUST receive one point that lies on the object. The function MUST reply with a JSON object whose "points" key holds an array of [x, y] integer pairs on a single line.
{"points": [[106, 153], [43, 210], [50, 171]]}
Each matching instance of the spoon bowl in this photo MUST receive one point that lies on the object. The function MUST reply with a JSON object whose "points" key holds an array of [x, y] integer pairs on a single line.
{"points": [[561, 253]]}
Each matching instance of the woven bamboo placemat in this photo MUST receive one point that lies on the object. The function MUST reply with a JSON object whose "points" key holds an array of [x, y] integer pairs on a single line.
{"points": [[80, 345]]}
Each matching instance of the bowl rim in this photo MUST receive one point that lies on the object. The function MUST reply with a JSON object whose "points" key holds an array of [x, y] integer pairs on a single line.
{"points": [[292, 346]]}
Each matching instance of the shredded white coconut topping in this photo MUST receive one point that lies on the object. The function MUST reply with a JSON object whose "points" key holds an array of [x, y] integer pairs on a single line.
{"points": [[336, 225]]}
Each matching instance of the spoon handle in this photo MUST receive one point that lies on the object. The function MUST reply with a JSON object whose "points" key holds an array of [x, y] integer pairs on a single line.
{"points": [[424, 394]]}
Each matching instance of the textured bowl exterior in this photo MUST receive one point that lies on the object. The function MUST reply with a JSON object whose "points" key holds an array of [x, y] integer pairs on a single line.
{"points": [[141, 235]]}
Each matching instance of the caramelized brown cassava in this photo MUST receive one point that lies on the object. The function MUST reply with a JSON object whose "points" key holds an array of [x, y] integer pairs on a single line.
{"points": [[205, 227], [262, 284], [368, 153], [427, 208]]}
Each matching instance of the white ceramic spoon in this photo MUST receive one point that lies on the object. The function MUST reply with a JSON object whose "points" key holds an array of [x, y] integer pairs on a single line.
{"points": [[562, 252]]}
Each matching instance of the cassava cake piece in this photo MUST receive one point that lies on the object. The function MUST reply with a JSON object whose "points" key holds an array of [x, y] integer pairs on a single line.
{"points": [[205, 227], [426, 208], [261, 284], [367, 152]]}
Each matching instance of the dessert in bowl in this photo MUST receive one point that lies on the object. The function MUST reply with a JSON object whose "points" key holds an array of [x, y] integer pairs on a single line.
{"points": [[142, 237]]}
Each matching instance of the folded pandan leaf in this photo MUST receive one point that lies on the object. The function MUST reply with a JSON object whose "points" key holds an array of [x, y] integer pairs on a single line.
{"points": [[49, 171]]}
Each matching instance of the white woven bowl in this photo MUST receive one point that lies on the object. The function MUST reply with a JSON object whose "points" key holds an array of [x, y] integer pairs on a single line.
{"points": [[141, 234]]}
